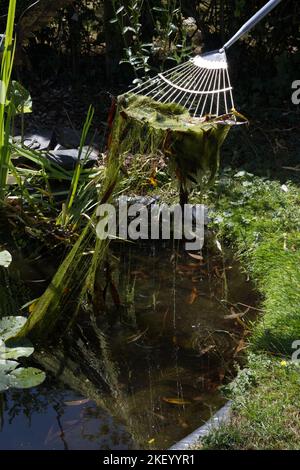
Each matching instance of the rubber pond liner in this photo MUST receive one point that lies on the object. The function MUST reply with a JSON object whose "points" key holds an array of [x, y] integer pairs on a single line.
{"points": [[191, 146]]}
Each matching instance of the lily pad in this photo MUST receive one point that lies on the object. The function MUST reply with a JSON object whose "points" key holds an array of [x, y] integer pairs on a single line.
{"points": [[5, 368], [26, 377], [10, 326], [15, 349], [5, 259], [12, 376]]}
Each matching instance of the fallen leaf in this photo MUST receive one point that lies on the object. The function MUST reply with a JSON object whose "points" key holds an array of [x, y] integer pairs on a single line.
{"points": [[193, 296], [77, 402], [176, 401], [235, 316], [134, 338], [183, 423], [153, 181], [242, 345], [197, 257], [199, 398], [206, 350]]}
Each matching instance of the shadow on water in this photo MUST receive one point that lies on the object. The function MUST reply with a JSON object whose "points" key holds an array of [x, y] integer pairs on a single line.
{"points": [[146, 371]]}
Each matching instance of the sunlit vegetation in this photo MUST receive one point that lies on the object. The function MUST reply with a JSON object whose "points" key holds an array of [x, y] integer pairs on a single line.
{"points": [[73, 136]]}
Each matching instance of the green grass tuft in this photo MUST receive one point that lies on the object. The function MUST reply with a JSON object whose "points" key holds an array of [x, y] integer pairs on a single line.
{"points": [[266, 408], [261, 219]]}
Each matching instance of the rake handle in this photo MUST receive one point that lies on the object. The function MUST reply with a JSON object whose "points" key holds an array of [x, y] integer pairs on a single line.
{"points": [[252, 22]]}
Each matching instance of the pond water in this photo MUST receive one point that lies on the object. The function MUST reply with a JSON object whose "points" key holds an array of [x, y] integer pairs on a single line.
{"points": [[146, 372]]}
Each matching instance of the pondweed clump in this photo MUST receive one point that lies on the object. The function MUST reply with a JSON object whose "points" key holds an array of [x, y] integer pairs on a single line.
{"points": [[191, 147]]}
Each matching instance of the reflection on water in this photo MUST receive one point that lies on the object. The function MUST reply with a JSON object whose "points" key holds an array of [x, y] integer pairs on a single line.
{"points": [[53, 418], [145, 372]]}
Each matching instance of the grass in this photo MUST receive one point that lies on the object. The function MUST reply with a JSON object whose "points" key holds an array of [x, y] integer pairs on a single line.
{"points": [[266, 408], [6, 111], [260, 219]]}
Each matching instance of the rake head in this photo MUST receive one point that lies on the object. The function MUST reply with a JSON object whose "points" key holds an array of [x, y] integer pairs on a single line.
{"points": [[201, 85]]}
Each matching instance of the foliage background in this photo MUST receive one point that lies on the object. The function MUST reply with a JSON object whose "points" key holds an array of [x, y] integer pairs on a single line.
{"points": [[100, 46], [264, 63]]}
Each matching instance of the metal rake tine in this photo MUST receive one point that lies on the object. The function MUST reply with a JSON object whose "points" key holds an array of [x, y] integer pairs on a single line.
{"points": [[209, 79], [225, 92], [191, 83], [213, 94], [179, 83], [218, 97], [166, 84], [194, 82], [138, 87], [206, 96], [230, 91], [203, 80]]}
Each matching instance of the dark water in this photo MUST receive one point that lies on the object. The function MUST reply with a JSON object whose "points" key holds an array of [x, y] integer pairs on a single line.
{"points": [[147, 372]]}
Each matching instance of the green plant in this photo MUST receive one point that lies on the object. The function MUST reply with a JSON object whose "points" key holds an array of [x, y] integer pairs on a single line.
{"points": [[168, 42], [6, 111], [265, 408], [11, 375], [261, 219], [67, 207]]}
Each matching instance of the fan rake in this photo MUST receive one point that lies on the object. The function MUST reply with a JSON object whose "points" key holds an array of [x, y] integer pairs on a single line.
{"points": [[201, 85]]}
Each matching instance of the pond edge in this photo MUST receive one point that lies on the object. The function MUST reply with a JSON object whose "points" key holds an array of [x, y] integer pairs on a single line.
{"points": [[219, 418]]}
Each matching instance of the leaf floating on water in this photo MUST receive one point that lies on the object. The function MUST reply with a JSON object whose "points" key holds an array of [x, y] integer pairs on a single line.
{"points": [[15, 349], [183, 424], [240, 347], [176, 401], [195, 256], [26, 378], [207, 349], [235, 316], [193, 296], [136, 337], [10, 326], [77, 402], [199, 398]]}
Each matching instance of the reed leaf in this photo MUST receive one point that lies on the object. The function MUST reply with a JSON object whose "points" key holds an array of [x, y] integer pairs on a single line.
{"points": [[5, 108]]}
